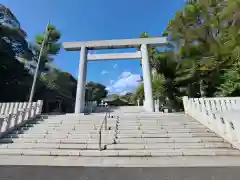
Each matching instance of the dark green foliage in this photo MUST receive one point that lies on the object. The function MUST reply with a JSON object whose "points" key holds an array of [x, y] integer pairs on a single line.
{"points": [[18, 61], [203, 55], [95, 92]]}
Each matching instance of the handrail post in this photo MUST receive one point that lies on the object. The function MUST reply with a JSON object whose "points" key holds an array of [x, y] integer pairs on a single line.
{"points": [[100, 141], [105, 123]]}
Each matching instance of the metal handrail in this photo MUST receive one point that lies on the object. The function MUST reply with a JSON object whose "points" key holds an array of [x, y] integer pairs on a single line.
{"points": [[104, 122]]}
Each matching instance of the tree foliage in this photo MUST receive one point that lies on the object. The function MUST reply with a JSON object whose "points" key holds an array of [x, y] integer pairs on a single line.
{"points": [[51, 49], [15, 75], [203, 55], [95, 92]]}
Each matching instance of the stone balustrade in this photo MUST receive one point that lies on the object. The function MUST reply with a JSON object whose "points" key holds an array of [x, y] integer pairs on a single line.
{"points": [[17, 113], [220, 114]]}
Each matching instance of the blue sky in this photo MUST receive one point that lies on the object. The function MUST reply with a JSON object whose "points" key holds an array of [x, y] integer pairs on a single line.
{"points": [[83, 20]]}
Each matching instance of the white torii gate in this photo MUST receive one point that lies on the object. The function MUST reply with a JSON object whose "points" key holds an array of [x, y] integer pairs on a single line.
{"points": [[114, 44]]}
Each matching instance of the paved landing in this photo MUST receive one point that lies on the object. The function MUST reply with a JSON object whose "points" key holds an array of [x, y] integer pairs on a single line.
{"points": [[109, 173]]}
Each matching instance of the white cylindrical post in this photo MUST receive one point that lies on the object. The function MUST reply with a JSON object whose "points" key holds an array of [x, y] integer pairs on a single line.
{"points": [[7, 108], [3, 106], [11, 107], [147, 79], [80, 96], [138, 102], [15, 110], [156, 105]]}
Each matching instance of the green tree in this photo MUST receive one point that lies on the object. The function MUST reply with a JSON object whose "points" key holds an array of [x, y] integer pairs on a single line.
{"points": [[95, 92], [51, 49], [61, 82], [203, 51], [158, 86], [114, 96], [14, 79], [128, 97], [231, 82], [139, 94]]}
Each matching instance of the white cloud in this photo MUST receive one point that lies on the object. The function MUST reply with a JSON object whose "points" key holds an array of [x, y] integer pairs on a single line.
{"points": [[127, 82], [123, 93], [125, 74], [115, 66], [104, 72], [109, 88], [117, 90], [111, 81]]}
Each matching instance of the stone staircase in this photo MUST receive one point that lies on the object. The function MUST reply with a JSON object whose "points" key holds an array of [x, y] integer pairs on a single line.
{"points": [[142, 138]]}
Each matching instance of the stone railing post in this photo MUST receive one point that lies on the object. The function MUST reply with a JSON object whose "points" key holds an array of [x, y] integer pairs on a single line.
{"points": [[185, 104], [156, 105], [15, 108], [3, 106], [138, 102], [7, 108], [11, 106], [39, 107]]}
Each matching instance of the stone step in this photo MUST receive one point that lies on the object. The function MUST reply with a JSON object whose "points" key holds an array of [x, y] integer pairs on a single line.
{"points": [[62, 127], [157, 118], [119, 129], [59, 135], [69, 125], [33, 129], [115, 146], [33, 136], [160, 140], [67, 132], [160, 116], [72, 124], [164, 125], [109, 140], [78, 129], [167, 135], [120, 121], [88, 135], [144, 128], [151, 119], [145, 114], [157, 124], [138, 132], [136, 129], [142, 131], [122, 118], [122, 153]]}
